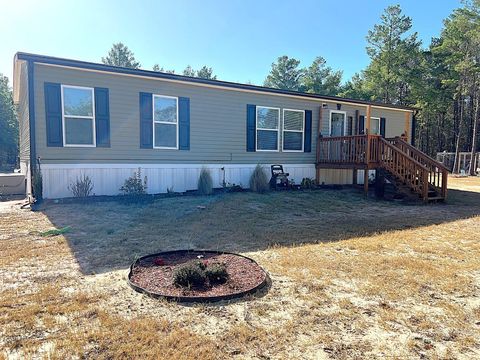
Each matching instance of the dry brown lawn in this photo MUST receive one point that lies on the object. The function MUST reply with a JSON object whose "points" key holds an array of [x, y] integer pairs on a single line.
{"points": [[351, 278]]}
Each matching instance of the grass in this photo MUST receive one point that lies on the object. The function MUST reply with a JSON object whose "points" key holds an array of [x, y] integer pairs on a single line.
{"points": [[55, 232], [351, 278]]}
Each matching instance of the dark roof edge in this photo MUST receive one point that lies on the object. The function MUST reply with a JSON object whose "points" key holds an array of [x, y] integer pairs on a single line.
{"points": [[148, 73]]}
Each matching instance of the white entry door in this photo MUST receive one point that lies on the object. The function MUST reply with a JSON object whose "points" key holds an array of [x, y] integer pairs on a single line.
{"points": [[337, 123]]}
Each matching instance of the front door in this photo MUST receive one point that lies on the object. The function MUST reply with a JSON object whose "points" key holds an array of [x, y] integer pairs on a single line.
{"points": [[337, 123], [337, 128]]}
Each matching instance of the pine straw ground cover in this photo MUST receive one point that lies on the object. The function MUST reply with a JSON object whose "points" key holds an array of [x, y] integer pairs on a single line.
{"points": [[352, 278]]}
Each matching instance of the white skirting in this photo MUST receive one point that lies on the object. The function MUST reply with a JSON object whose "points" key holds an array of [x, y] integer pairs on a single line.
{"points": [[108, 178]]}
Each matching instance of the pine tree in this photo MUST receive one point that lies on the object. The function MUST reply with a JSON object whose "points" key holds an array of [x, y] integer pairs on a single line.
{"points": [[285, 74], [120, 55]]}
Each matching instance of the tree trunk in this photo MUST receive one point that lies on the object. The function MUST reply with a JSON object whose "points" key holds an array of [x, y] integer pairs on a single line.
{"points": [[456, 163], [473, 165]]}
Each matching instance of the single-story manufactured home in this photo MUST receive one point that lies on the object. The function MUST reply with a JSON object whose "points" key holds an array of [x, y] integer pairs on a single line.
{"points": [[80, 117]]}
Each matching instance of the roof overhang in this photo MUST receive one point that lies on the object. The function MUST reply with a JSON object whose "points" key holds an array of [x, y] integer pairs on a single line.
{"points": [[89, 66]]}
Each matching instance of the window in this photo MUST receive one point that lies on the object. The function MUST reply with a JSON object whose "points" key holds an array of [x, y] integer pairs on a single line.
{"points": [[78, 116], [293, 121], [374, 126], [268, 123], [165, 122]]}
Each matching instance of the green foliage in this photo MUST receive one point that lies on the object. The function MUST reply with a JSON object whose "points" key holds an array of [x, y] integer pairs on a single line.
{"points": [[8, 127], [37, 184], [55, 232], [216, 273], [285, 74], [258, 180], [190, 274], [196, 273], [82, 187], [319, 78], [395, 55], [157, 68], [307, 183], [205, 72], [134, 185], [120, 55], [205, 182]]}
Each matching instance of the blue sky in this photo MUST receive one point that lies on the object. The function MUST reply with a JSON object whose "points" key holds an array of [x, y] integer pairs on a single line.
{"points": [[238, 38]]}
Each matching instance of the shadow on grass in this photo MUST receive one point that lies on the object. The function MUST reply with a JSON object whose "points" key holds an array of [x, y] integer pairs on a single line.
{"points": [[108, 236]]}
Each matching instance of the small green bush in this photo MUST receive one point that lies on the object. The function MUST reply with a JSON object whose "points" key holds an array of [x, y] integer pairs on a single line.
{"points": [[190, 274], [134, 184], [134, 190], [81, 187], [216, 273], [307, 183], [205, 182], [196, 273], [258, 180]]}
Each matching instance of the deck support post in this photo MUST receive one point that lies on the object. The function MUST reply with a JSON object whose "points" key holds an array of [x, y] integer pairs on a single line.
{"points": [[355, 177], [367, 149]]}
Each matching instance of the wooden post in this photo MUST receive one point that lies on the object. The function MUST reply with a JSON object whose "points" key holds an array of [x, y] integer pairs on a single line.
{"points": [[407, 126], [368, 119], [367, 150], [355, 177]]}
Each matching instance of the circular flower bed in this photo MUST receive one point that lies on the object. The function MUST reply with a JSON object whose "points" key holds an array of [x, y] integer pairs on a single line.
{"points": [[196, 276]]}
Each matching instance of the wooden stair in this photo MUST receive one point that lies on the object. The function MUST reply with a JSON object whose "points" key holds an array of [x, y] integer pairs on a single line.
{"points": [[406, 164]]}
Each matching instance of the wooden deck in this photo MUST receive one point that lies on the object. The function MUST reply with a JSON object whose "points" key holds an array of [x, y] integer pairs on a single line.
{"points": [[422, 174]]}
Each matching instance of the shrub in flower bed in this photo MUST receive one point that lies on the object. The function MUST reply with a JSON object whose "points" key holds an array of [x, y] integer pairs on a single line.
{"points": [[196, 273]]}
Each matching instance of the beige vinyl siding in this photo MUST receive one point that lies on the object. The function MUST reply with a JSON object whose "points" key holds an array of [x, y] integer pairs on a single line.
{"points": [[23, 115], [217, 121]]}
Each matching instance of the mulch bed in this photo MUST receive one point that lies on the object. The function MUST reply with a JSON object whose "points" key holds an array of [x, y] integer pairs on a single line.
{"points": [[153, 275]]}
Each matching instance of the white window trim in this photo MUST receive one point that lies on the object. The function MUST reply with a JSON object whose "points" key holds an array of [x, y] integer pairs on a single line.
{"points": [[297, 131], [78, 116], [344, 119], [164, 122], [376, 118], [263, 129]]}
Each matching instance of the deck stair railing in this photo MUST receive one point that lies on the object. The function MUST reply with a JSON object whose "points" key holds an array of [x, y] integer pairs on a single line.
{"points": [[437, 172], [422, 174]]}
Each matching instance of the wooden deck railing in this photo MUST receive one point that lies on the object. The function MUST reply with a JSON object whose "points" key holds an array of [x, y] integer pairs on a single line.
{"points": [[348, 150], [437, 172], [410, 171], [410, 165]]}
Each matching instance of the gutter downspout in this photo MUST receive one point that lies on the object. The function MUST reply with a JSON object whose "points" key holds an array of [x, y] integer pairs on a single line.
{"points": [[31, 123]]}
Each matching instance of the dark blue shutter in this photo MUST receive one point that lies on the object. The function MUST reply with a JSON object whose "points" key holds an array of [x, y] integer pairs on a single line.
{"points": [[382, 127], [53, 114], [307, 146], [146, 121], [251, 127], [184, 123], [102, 117], [361, 125]]}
